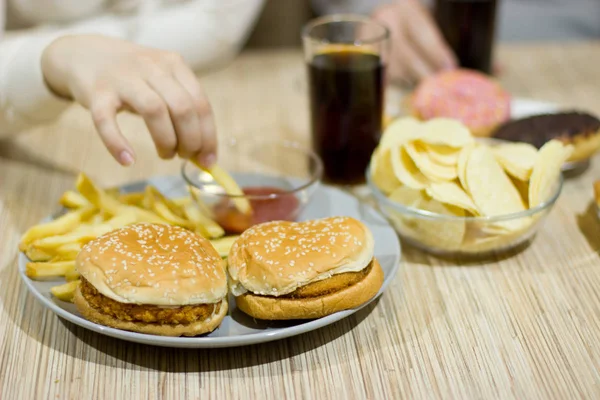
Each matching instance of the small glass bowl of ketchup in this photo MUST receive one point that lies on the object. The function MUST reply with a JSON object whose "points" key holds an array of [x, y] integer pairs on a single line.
{"points": [[277, 177]]}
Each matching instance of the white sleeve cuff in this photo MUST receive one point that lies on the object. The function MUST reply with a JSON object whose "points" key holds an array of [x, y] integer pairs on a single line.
{"points": [[26, 91]]}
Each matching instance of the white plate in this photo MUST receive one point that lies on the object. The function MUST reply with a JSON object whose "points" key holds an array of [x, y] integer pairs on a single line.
{"points": [[237, 329]]}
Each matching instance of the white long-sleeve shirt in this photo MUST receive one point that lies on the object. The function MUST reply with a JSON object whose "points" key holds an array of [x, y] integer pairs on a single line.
{"points": [[205, 32]]}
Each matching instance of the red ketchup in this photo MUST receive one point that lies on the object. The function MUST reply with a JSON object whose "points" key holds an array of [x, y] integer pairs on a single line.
{"points": [[282, 207]]}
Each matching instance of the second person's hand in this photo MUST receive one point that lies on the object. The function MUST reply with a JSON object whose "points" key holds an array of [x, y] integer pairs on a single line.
{"points": [[108, 75], [418, 48]]}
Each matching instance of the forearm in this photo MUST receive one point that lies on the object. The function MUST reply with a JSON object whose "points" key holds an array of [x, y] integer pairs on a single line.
{"points": [[25, 99]]}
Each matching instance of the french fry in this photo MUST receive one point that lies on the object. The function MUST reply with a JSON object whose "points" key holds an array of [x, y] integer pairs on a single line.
{"points": [[63, 224], [147, 216], [72, 275], [66, 291], [68, 251], [223, 245], [196, 195], [132, 199], [231, 187], [86, 232], [97, 196], [174, 208], [46, 270], [97, 219], [110, 204], [113, 192], [37, 255], [71, 199], [181, 201], [204, 226], [63, 253], [82, 235], [160, 205]]}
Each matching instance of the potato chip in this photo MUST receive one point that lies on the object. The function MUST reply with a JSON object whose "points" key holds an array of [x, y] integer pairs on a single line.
{"points": [[523, 189], [451, 193], [433, 171], [486, 244], [445, 234], [517, 159], [440, 234], [401, 131], [382, 171], [407, 196], [405, 169], [546, 170], [442, 154], [491, 189], [461, 165], [446, 131]]}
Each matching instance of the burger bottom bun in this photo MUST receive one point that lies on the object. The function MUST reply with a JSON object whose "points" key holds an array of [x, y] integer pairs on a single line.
{"points": [[273, 308], [193, 329]]}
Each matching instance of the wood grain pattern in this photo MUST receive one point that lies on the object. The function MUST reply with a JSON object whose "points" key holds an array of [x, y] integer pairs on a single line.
{"points": [[525, 326]]}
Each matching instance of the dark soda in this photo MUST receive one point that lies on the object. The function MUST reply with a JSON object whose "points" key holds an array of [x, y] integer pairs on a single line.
{"points": [[468, 26], [346, 93]]}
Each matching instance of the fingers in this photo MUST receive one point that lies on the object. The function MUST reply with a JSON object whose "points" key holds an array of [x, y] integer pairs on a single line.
{"points": [[418, 49], [104, 114], [406, 64], [207, 153], [416, 66], [182, 111], [429, 43], [143, 100], [160, 88]]}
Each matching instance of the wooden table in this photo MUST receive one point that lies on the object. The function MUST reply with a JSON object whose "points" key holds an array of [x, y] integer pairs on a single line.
{"points": [[527, 326]]}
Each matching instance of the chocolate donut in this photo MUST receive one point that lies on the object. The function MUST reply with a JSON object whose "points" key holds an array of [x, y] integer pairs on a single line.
{"points": [[580, 129]]}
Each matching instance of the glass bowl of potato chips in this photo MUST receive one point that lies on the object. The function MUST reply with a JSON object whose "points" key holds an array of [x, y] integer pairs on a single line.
{"points": [[452, 194]]}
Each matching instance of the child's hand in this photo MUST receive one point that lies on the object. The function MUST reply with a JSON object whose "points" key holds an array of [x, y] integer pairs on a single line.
{"points": [[107, 75]]}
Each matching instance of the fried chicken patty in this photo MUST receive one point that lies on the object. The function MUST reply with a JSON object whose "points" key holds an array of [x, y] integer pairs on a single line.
{"points": [[330, 285], [145, 312]]}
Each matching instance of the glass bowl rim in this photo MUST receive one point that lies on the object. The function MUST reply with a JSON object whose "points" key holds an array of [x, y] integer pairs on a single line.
{"points": [[424, 214], [315, 176]]}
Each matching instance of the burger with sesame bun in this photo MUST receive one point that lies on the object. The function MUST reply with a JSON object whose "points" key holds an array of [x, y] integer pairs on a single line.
{"points": [[287, 270], [154, 279]]}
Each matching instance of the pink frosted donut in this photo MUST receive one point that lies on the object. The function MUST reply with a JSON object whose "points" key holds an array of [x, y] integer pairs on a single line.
{"points": [[468, 96]]}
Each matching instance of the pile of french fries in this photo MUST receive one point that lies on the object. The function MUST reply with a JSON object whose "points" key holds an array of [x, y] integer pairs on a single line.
{"points": [[91, 212]]}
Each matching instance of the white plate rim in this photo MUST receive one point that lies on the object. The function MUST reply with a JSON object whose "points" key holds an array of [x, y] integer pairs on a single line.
{"points": [[216, 342]]}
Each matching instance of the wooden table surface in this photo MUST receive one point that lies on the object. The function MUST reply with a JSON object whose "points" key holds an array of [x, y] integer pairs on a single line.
{"points": [[527, 326]]}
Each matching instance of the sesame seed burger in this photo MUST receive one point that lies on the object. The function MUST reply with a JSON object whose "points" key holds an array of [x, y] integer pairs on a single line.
{"points": [[287, 270], [154, 279]]}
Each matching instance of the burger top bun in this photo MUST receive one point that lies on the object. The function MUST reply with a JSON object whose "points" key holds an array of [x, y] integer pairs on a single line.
{"points": [[154, 264], [276, 258]]}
